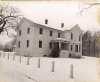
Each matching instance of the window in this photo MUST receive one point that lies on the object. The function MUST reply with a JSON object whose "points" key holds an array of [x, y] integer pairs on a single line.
{"points": [[40, 44], [28, 30], [18, 44], [64, 46], [19, 32], [76, 48], [41, 30], [56, 45], [71, 47], [79, 47], [71, 36], [50, 45], [46, 21], [58, 35], [27, 43], [80, 38], [51, 33]]}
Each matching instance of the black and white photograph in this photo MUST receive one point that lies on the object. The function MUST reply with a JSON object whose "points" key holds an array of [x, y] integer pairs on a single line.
{"points": [[50, 41]]}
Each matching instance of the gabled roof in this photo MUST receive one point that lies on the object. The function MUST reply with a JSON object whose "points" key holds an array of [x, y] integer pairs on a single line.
{"points": [[48, 26], [32, 22]]}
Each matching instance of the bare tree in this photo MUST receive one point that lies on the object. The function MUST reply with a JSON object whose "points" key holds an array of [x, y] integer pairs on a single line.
{"points": [[9, 18], [88, 6], [97, 43], [86, 43]]}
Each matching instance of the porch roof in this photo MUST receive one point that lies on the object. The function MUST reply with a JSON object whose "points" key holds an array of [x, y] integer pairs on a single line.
{"points": [[60, 40]]}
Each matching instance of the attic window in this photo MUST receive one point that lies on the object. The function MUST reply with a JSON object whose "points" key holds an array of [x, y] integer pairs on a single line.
{"points": [[46, 21]]}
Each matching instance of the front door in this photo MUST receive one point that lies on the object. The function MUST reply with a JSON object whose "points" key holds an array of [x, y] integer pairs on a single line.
{"points": [[56, 45], [55, 50]]}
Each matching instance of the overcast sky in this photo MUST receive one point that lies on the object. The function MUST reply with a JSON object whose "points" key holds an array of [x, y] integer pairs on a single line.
{"points": [[58, 12], [67, 12]]}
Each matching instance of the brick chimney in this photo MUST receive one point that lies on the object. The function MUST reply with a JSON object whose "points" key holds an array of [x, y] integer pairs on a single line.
{"points": [[62, 25], [46, 21]]}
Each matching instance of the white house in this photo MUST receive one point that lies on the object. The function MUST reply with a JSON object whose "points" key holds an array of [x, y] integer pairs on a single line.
{"points": [[39, 40]]}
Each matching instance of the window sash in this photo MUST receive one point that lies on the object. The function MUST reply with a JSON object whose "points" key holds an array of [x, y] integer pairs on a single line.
{"points": [[27, 43], [28, 30], [59, 34], [41, 30], [76, 48], [20, 32], [18, 44], [51, 33], [71, 36], [40, 44]]}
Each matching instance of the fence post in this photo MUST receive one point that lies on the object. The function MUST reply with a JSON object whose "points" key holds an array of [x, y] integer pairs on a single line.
{"points": [[39, 62], [3, 55], [20, 59], [13, 57], [0, 54], [71, 71], [53, 66], [8, 56], [27, 60]]}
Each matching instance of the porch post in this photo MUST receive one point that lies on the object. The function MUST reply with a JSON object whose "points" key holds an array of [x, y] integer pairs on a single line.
{"points": [[73, 48], [59, 45]]}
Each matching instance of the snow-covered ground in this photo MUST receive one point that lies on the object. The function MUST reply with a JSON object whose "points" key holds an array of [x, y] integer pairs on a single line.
{"points": [[41, 69]]}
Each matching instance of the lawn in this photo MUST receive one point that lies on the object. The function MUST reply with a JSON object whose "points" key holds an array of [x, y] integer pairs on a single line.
{"points": [[45, 69]]}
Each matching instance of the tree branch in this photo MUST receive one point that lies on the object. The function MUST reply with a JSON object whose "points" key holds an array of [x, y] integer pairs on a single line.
{"points": [[6, 31], [90, 5], [9, 17]]}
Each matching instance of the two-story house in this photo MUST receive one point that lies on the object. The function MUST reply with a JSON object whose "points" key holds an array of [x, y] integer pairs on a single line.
{"points": [[38, 40]]}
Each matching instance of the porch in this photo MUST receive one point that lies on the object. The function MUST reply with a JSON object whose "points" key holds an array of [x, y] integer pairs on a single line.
{"points": [[60, 48]]}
